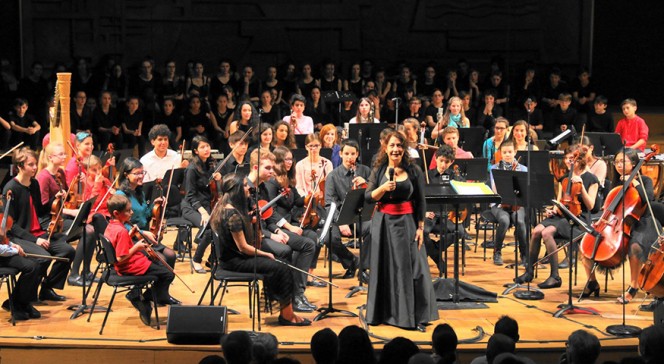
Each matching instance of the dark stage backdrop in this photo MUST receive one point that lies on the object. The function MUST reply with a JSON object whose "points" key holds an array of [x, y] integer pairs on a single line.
{"points": [[272, 32]]}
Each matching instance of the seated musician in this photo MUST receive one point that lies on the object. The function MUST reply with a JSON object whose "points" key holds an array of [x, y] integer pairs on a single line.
{"points": [[555, 225], [309, 169], [238, 253], [300, 123], [450, 136], [130, 184], [51, 178], [643, 231], [83, 148], [505, 213], [518, 136], [26, 231], [132, 263], [25, 291], [265, 138], [349, 175], [632, 128], [197, 203], [491, 147], [411, 129], [282, 242], [239, 155], [161, 158], [444, 159]]}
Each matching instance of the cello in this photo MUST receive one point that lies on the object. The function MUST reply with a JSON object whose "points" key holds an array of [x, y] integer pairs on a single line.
{"points": [[609, 247]]}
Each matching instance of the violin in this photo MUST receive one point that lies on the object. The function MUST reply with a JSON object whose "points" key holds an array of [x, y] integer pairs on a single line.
{"points": [[155, 225], [310, 217], [136, 233], [265, 211], [572, 190], [609, 247], [109, 171], [355, 186], [75, 192], [463, 213], [7, 220], [215, 186], [57, 220]]}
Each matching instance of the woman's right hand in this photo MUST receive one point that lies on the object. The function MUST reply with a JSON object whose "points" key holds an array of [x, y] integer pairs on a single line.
{"points": [[389, 186]]}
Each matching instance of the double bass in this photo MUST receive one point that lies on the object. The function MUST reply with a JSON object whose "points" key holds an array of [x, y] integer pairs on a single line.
{"points": [[609, 247]]}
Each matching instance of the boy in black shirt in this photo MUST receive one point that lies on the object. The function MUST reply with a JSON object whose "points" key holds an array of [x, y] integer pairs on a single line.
{"points": [[24, 126], [598, 119]]}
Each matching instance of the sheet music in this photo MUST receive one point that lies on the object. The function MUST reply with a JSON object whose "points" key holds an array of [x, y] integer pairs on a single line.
{"points": [[471, 188]]}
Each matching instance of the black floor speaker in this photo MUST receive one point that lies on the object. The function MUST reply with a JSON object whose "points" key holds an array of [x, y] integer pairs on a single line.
{"points": [[201, 325], [659, 312]]}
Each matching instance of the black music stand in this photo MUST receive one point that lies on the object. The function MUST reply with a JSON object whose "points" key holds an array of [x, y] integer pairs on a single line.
{"points": [[300, 140], [363, 211], [299, 154], [473, 169], [605, 143], [539, 160], [472, 139], [367, 136], [573, 220], [536, 199], [78, 229], [345, 215]]}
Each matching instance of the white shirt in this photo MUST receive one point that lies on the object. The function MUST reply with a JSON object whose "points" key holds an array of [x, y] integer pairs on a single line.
{"points": [[305, 124], [354, 120], [156, 167]]}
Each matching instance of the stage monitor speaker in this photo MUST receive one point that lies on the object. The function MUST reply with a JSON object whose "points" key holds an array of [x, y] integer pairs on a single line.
{"points": [[659, 313], [201, 325]]}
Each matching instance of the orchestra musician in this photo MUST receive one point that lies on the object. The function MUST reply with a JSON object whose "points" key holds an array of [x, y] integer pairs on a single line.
{"points": [[300, 123], [555, 224], [132, 263], [313, 164], [518, 136], [348, 176], [643, 231], [400, 288], [238, 156], [197, 203], [505, 214], [52, 180], [131, 185], [329, 138], [158, 161], [281, 242], [491, 147], [238, 252], [27, 232]]}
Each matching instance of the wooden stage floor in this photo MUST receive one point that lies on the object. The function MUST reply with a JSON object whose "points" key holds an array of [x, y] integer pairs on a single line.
{"points": [[542, 336]]}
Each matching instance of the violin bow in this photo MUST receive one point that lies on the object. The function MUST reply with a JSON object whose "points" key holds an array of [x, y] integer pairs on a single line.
{"points": [[228, 157], [106, 194], [165, 204], [11, 150]]}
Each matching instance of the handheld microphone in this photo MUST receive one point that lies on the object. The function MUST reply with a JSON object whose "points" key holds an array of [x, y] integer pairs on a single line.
{"points": [[391, 173]]}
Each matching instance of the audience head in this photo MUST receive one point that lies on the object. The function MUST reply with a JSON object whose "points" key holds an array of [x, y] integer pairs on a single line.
{"points": [[421, 358], [355, 346], [265, 348], [325, 346], [237, 347], [444, 343], [650, 343], [507, 326], [398, 350], [498, 344], [582, 348]]}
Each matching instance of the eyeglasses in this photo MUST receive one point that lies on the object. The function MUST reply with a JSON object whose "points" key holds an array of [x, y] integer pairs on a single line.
{"points": [[142, 173], [313, 146], [288, 159], [499, 128]]}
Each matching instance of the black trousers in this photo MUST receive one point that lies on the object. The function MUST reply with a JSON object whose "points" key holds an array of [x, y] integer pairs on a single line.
{"points": [[58, 248], [28, 281], [345, 255], [194, 217], [164, 279], [299, 250]]}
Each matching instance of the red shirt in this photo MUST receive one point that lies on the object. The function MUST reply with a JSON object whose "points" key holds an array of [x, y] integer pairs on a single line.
{"points": [[98, 189], [137, 264], [631, 130], [35, 228]]}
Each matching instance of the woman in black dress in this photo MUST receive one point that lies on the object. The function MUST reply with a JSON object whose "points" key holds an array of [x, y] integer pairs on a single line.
{"points": [[230, 221], [400, 288]]}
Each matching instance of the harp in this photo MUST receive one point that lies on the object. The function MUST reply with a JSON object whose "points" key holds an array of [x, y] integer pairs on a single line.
{"points": [[60, 127]]}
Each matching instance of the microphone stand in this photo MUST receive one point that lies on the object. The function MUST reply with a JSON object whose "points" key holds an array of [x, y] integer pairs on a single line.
{"points": [[528, 294]]}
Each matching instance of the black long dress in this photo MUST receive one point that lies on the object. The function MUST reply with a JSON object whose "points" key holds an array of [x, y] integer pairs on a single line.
{"points": [[400, 289]]}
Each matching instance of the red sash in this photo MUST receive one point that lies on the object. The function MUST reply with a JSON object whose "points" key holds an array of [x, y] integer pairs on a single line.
{"points": [[403, 208]]}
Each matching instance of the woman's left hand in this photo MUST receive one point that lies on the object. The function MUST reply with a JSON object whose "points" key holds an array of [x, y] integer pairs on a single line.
{"points": [[419, 237]]}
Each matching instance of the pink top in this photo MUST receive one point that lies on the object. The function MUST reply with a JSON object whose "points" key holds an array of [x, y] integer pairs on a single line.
{"points": [[632, 130], [303, 173], [305, 125]]}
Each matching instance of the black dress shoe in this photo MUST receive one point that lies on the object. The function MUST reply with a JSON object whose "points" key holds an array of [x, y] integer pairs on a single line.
{"points": [[48, 294], [316, 283], [20, 315], [300, 306], [31, 311], [77, 281], [90, 277], [350, 272], [645, 308], [170, 301], [284, 322], [306, 302], [364, 277], [524, 278], [551, 282], [144, 311], [5, 305]]}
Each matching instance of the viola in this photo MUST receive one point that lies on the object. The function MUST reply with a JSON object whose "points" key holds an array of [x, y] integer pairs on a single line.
{"points": [[608, 249], [572, 190], [310, 217], [7, 220]]}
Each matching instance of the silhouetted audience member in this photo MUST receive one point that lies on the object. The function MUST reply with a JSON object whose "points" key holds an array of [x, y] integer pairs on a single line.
{"points": [[582, 348], [265, 349], [237, 347], [506, 326], [212, 359], [286, 360], [498, 344], [398, 351], [325, 346], [444, 343], [651, 344], [355, 346], [509, 358], [421, 358]]}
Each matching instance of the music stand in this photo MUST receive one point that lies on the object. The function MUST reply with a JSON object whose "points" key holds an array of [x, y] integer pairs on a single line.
{"points": [[472, 139], [512, 193], [299, 154], [573, 220], [606, 143], [300, 140], [346, 214], [473, 169], [363, 212], [326, 153], [539, 160], [78, 229]]}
